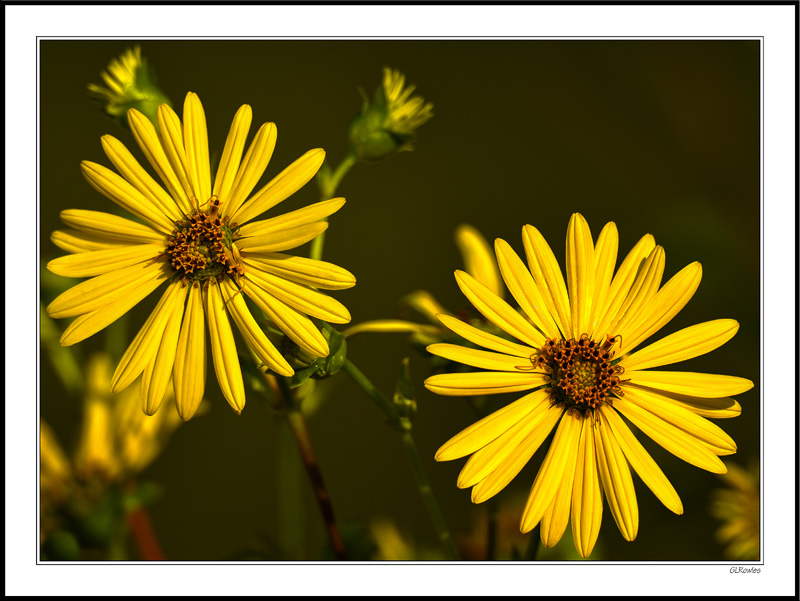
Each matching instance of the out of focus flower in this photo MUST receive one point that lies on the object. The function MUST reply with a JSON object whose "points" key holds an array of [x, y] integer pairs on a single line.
{"points": [[738, 506], [129, 83], [388, 124]]}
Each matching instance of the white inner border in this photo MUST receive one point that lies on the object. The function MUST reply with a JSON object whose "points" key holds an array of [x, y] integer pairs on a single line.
{"points": [[775, 23]]}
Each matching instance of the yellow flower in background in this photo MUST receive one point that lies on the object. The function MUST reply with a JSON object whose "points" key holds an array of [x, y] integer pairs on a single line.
{"points": [[55, 475], [563, 347], [738, 506], [405, 113], [199, 238], [129, 83]]}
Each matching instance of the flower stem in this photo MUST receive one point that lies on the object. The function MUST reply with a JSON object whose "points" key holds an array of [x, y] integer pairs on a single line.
{"points": [[328, 183], [297, 424], [410, 447]]}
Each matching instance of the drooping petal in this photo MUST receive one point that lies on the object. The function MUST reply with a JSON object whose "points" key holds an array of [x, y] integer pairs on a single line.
{"points": [[484, 431], [308, 272], [560, 456], [190, 357], [682, 345], [710, 386], [617, 481], [498, 311], [556, 516], [286, 183], [105, 225], [223, 350], [253, 167], [587, 498], [232, 155], [482, 359], [98, 262], [477, 383], [547, 275], [641, 461], [478, 258], [723, 408], [485, 339], [580, 273], [195, 136], [304, 299], [605, 259]]}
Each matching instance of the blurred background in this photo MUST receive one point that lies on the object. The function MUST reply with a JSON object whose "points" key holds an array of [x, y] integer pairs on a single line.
{"points": [[661, 137]]}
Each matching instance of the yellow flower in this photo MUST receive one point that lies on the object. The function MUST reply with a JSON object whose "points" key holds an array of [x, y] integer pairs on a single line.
{"points": [[405, 113], [738, 507], [199, 238], [562, 348], [55, 468], [129, 83]]}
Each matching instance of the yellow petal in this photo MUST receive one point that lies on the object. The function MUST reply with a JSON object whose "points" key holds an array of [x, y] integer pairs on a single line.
{"points": [[587, 499], [424, 303], [556, 516], [253, 166], [478, 258], [560, 457], [284, 239], [299, 328], [171, 136], [498, 311], [508, 470], [674, 440], [190, 358], [665, 305], [711, 386], [477, 383], [232, 155], [195, 136], [391, 326], [302, 298], [73, 241], [714, 408], [144, 347], [98, 262], [682, 345], [252, 333], [286, 183], [484, 431], [129, 296], [605, 259], [148, 140], [223, 350], [292, 219], [485, 460], [580, 273], [485, 339], [482, 359], [115, 188], [309, 272], [617, 481], [621, 285], [523, 289], [132, 171], [694, 425], [104, 225], [641, 461], [644, 288], [547, 275]]}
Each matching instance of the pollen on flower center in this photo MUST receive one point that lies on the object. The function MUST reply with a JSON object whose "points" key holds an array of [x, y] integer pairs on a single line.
{"points": [[580, 372], [201, 247]]}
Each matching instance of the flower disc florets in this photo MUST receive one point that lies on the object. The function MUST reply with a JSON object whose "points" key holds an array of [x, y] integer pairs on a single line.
{"points": [[580, 371]]}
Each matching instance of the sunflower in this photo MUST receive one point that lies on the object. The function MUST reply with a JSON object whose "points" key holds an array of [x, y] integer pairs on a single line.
{"points": [[201, 241], [572, 347]]}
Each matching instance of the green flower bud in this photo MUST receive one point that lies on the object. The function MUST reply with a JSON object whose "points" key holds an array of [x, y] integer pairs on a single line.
{"points": [[130, 83]]}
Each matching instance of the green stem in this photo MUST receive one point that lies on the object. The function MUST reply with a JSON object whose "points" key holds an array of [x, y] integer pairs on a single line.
{"points": [[327, 186], [410, 447]]}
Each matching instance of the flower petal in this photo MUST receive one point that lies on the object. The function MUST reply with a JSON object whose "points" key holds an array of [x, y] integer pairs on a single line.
{"points": [[682, 345], [476, 383], [547, 275], [498, 311], [482, 359], [223, 350], [641, 461], [195, 136], [560, 457], [587, 499], [105, 225], [478, 258], [522, 287], [98, 262], [308, 272], [283, 239], [171, 136], [580, 273], [644, 288], [556, 516], [485, 339], [484, 431], [605, 259], [73, 241], [391, 326], [617, 481], [253, 167], [232, 155], [293, 219], [190, 358], [714, 408], [286, 183], [302, 298], [710, 386]]}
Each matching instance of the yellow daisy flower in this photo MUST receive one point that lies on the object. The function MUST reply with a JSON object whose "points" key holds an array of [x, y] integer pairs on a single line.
{"points": [[572, 347], [199, 238], [405, 113]]}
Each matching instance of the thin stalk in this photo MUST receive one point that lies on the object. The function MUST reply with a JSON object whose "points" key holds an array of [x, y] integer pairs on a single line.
{"points": [[410, 447], [327, 187]]}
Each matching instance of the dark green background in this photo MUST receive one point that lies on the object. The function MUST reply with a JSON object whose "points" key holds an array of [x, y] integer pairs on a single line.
{"points": [[657, 136]]}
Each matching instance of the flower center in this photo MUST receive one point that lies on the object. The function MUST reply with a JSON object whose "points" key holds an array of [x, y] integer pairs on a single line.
{"points": [[201, 247], [580, 372]]}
